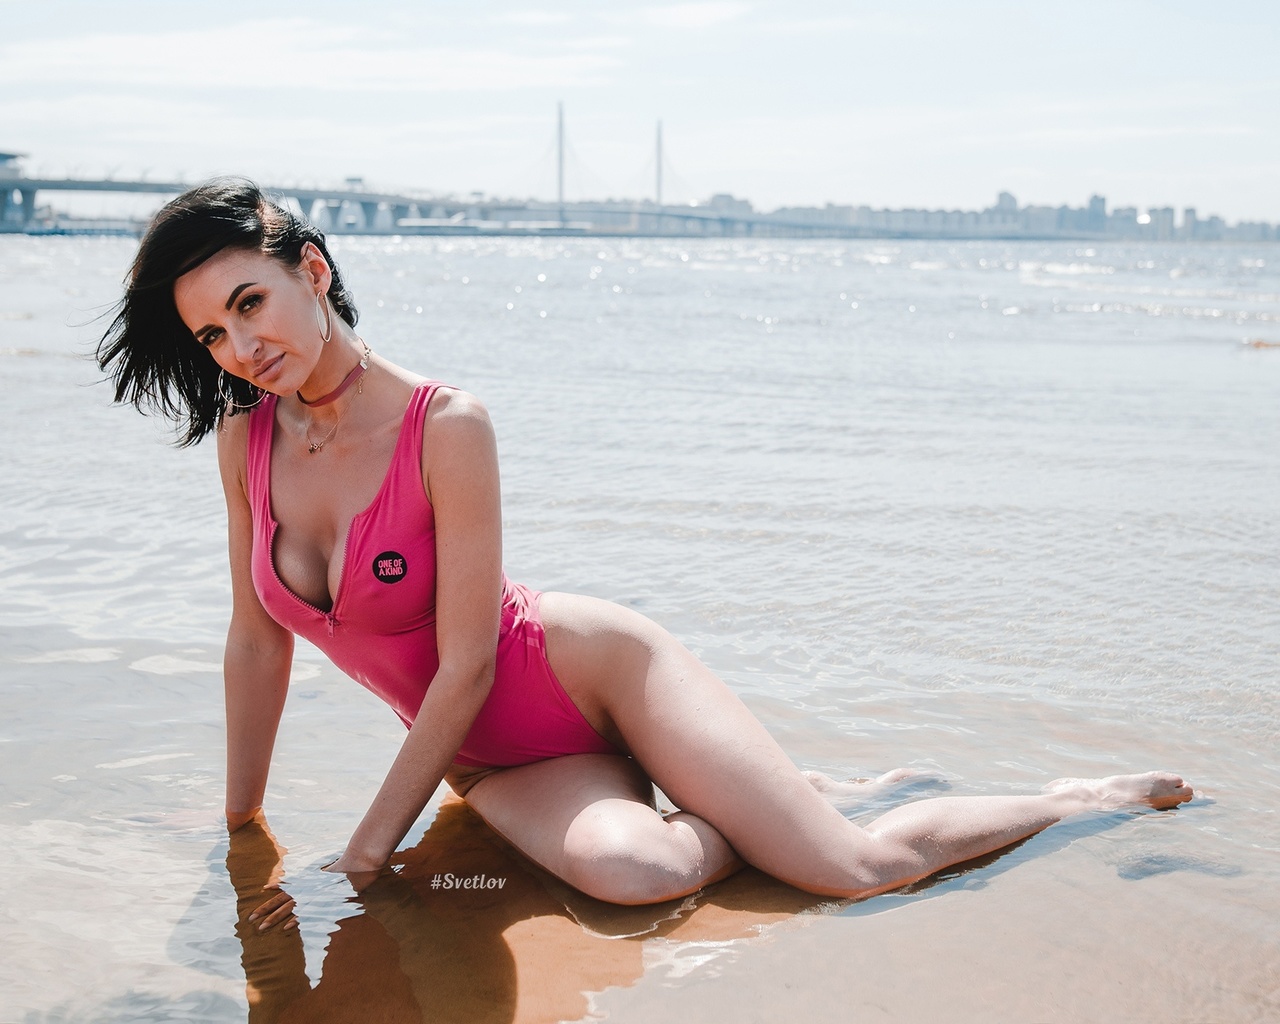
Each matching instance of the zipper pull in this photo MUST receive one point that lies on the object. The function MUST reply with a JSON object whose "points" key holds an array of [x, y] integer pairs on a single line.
{"points": [[332, 620]]}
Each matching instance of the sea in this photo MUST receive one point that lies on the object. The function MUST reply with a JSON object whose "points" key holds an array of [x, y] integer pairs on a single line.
{"points": [[1000, 512]]}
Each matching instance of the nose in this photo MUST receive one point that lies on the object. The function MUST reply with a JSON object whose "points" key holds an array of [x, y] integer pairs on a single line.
{"points": [[245, 346]]}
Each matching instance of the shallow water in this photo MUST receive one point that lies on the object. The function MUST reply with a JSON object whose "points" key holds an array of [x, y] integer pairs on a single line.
{"points": [[1002, 511]]}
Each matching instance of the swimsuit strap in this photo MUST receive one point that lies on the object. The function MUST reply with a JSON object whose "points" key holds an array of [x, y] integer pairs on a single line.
{"points": [[258, 455], [417, 415], [406, 459]]}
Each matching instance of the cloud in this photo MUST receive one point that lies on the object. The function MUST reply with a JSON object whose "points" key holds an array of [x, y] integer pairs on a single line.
{"points": [[116, 134], [302, 55], [595, 43], [688, 16], [531, 18], [878, 22], [1099, 134]]}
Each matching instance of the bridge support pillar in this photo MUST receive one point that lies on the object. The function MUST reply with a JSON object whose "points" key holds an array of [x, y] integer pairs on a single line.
{"points": [[350, 219], [320, 217], [17, 208], [370, 216]]}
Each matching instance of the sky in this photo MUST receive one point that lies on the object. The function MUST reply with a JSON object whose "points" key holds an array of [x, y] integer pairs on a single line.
{"points": [[937, 105]]}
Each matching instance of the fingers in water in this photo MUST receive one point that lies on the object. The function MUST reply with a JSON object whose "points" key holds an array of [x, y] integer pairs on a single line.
{"points": [[284, 916], [276, 910]]}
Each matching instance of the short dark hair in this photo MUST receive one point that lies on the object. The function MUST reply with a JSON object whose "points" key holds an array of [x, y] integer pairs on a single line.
{"points": [[148, 352]]}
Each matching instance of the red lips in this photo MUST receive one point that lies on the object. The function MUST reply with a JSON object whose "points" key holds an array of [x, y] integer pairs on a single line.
{"points": [[268, 371]]}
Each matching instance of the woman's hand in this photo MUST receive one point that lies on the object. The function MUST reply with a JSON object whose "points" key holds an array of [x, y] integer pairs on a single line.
{"points": [[255, 862], [278, 910], [237, 820], [360, 872]]}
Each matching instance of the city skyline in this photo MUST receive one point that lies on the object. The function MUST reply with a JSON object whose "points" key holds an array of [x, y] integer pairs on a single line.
{"points": [[797, 105], [353, 207]]}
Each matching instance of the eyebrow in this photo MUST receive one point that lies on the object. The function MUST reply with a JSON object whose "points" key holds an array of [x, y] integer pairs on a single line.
{"points": [[235, 293], [237, 290]]}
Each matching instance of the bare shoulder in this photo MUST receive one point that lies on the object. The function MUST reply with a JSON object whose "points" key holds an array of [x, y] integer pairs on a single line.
{"points": [[459, 452], [456, 418], [233, 432], [233, 440]]}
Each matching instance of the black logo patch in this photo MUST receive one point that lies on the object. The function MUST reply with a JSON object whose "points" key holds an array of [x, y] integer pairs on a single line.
{"points": [[390, 567]]}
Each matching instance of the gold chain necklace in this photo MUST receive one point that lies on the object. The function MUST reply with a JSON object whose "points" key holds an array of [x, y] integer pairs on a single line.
{"points": [[314, 446]]}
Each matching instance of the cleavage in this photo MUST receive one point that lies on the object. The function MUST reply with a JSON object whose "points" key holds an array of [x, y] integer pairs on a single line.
{"points": [[314, 504], [303, 567]]}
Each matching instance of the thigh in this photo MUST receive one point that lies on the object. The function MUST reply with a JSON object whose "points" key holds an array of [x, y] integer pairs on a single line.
{"points": [[556, 811], [695, 738]]}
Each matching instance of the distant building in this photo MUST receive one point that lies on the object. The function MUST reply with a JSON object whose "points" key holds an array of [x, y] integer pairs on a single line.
{"points": [[1160, 223], [1006, 219], [1123, 222], [1250, 231], [1002, 219], [1096, 218], [722, 202], [829, 214], [1189, 224], [1038, 221]]}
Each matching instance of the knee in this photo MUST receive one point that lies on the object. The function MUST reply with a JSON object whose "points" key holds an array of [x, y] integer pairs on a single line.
{"points": [[633, 866], [883, 863]]}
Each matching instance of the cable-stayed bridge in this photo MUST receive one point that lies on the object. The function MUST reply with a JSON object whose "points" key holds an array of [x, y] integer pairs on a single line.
{"points": [[352, 208]]}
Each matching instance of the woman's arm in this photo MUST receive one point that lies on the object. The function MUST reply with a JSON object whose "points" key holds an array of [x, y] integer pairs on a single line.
{"points": [[259, 651], [460, 473]]}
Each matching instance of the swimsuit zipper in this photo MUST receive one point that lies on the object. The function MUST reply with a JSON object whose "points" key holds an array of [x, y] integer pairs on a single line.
{"points": [[332, 616], [330, 619]]}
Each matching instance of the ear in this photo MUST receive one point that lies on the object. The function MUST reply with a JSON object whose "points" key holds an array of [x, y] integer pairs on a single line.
{"points": [[316, 268]]}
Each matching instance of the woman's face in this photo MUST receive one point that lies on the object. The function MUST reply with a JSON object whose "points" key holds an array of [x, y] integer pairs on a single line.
{"points": [[257, 317]]}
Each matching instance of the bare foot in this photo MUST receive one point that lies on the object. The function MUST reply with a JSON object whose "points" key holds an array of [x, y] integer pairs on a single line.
{"points": [[1155, 789], [857, 791]]}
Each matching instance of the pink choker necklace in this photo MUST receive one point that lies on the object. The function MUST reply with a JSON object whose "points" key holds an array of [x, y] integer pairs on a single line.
{"points": [[357, 372]]}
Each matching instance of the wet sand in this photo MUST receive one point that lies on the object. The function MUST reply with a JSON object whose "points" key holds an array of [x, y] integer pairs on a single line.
{"points": [[121, 868], [1057, 938]]}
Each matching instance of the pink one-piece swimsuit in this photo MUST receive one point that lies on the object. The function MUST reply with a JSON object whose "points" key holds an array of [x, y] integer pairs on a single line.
{"points": [[381, 629]]}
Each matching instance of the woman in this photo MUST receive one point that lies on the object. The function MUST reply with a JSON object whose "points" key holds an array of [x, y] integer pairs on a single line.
{"points": [[363, 509]]}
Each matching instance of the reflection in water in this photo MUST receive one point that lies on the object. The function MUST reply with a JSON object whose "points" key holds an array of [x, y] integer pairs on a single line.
{"points": [[273, 960], [530, 951]]}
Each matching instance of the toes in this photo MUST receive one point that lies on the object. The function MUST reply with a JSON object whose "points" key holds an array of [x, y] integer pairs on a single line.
{"points": [[1173, 785], [822, 783], [898, 775]]}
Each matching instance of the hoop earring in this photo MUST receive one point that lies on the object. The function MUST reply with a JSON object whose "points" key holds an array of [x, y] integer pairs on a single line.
{"points": [[326, 327], [230, 399]]}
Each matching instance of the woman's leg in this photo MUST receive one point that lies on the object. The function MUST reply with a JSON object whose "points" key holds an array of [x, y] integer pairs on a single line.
{"points": [[589, 819], [702, 746]]}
